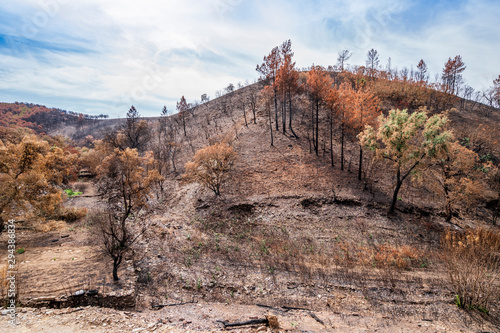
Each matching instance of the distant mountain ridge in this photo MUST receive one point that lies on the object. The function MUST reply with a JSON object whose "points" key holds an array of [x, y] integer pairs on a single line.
{"points": [[40, 118]]}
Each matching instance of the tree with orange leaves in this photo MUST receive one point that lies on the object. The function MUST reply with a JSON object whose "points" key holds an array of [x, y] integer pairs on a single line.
{"points": [[31, 172], [210, 166], [422, 69], [287, 83], [364, 111], [452, 74], [458, 177], [332, 102], [318, 82], [346, 97], [267, 95], [124, 184]]}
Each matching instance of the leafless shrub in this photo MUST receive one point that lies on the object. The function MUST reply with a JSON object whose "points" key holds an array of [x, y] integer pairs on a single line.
{"points": [[473, 261]]}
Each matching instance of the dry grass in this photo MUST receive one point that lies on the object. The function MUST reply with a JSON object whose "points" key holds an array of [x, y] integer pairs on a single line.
{"points": [[473, 261], [50, 225], [402, 257], [72, 214]]}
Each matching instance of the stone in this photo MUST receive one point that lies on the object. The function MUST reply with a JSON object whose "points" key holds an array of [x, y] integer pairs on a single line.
{"points": [[80, 292]]}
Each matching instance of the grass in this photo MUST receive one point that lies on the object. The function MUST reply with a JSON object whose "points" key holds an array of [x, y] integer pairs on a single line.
{"points": [[71, 193]]}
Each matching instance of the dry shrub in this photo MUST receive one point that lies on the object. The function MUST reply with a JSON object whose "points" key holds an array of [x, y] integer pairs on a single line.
{"points": [[473, 261], [50, 225], [210, 166], [72, 214], [401, 257]]}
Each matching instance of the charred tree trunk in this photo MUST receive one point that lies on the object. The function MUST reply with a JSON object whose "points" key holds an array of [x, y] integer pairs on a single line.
{"points": [[360, 161], [331, 139], [342, 145], [283, 114], [447, 207], [316, 146], [116, 263], [290, 118], [244, 114], [399, 182], [312, 128], [276, 110], [184, 123], [271, 126]]}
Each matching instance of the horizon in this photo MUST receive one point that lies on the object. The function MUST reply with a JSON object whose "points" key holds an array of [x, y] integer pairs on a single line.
{"points": [[101, 58]]}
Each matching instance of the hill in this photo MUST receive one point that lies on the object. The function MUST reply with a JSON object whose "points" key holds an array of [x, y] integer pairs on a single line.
{"points": [[291, 234], [40, 118]]}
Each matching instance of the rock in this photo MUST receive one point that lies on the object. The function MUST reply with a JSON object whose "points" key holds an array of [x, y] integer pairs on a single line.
{"points": [[80, 292], [92, 292], [44, 299]]}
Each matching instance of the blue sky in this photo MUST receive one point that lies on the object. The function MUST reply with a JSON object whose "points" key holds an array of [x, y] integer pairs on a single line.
{"points": [[98, 56]]}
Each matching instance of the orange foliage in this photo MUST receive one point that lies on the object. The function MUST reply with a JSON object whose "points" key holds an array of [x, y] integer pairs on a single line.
{"points": [[400, 257], [30, 173], [452, 74], [458, 178], [270, 66], [36, 117], [210, 166], [318, 82]]}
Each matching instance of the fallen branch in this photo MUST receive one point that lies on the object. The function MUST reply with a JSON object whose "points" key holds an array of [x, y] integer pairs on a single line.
{"points": [[316, 318], [294, 308], [269, 307], [160, 306], [243, 323]]}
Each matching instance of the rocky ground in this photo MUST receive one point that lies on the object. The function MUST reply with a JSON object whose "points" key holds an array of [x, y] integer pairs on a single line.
{"points": [[205, 317]]}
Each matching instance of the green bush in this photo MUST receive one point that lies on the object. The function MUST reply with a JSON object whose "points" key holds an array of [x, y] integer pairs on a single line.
{"points": [[70, 192]]}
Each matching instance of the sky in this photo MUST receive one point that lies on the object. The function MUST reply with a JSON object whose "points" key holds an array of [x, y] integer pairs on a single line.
{"points": [[102, 56]]}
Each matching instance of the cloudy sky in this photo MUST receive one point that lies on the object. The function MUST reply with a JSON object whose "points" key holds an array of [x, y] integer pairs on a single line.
{"points": [[98, 56]]}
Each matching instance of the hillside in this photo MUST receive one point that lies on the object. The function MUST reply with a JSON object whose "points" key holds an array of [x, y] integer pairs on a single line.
{"points": [[39, 118], [290, 235]]}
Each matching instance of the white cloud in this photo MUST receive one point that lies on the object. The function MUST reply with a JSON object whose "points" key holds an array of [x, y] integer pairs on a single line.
{"points": [[152, 52]]}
